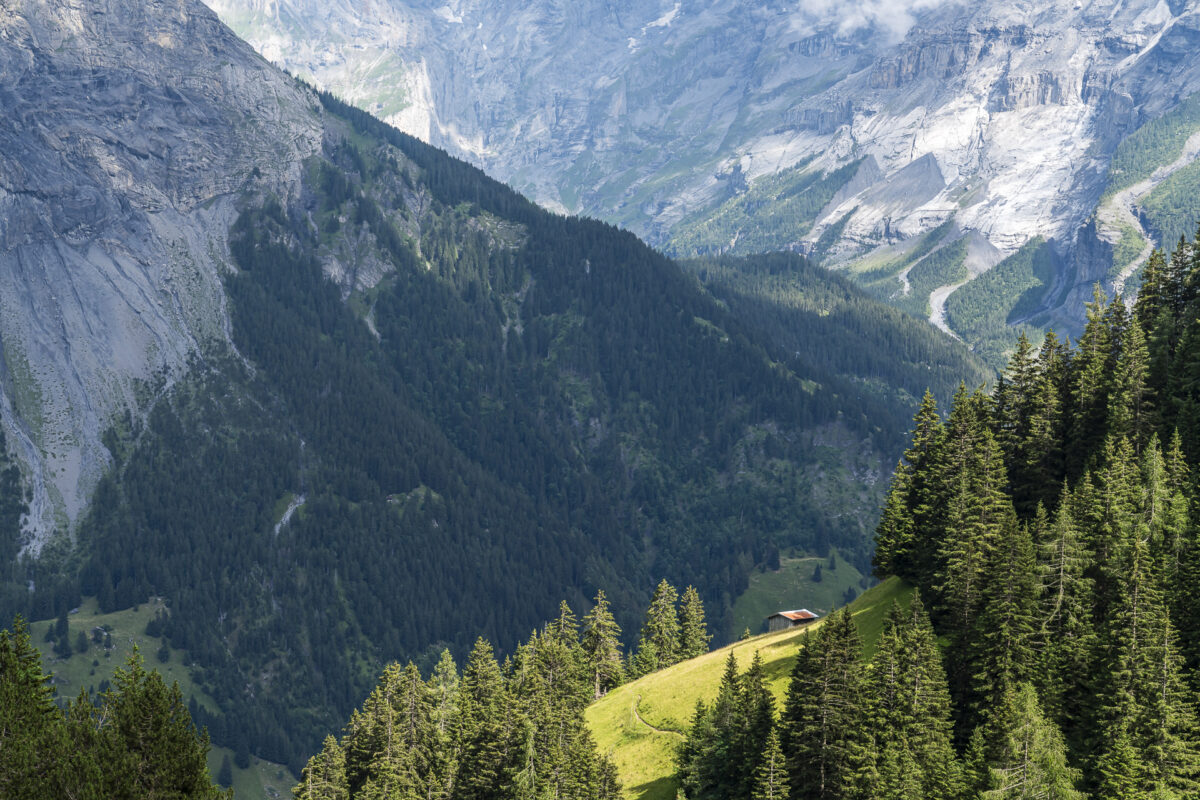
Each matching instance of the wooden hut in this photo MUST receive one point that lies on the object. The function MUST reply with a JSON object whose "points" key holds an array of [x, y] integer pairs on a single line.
{"points": [[782, 620]]}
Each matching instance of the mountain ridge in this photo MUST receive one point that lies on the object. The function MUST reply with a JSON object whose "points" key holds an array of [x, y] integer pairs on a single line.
{"points": [[1001, 116]]}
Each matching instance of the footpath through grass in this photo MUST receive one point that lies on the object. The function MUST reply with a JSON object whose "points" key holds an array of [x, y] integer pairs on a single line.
{"points": [[641, 723]]}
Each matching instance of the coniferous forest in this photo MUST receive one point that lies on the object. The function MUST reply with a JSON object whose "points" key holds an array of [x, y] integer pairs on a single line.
{"points": [[135, 740], [518, 408], [1051, 648]]}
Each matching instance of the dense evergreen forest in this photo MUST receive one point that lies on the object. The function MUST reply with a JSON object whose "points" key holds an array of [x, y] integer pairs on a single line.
{"points": [[853, 345], [505, 731], [1052, 531], [135, 740], [490, 409]]}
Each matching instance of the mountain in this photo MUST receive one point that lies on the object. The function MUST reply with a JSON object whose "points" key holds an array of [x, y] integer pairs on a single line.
{"points": [[128, 131], [848, 132], [334, 397]]}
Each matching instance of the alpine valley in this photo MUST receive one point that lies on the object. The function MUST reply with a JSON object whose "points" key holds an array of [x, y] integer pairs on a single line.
{"points": [[297, 394], [982, 164]]}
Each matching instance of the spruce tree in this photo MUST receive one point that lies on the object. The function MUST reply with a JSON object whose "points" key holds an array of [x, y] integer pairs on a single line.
{"points": [[37, 758], [602, 647], [488, 729], [894, 537], [1031, 760], [324, 777], [403, 737], [825, 742], [911, 713], [1119, 768], [661, 629], [770, 780], [906, 541], [1013, 414], [1044, 468], [443, 687], [1168, 726], [1110, 517], [1065, 636], [693, 631], [145, 741], [978, 510], [709, 756], [690, 755], [1092, 384], [756, 724], [999, 650], [1130, 405]]}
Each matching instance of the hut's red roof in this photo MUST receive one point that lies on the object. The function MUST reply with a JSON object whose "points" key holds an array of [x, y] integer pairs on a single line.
{"points": [[798, 614]]}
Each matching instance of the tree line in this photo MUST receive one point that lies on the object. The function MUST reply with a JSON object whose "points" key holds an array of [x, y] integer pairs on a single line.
{"points": [[502, 730]]}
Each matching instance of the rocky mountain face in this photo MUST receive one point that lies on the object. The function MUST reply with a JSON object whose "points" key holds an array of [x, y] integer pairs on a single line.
{"points": [[689, 122], [128, 127]]}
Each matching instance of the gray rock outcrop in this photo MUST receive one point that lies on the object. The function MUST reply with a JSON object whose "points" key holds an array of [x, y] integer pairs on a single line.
{"points": [[129, 128]]}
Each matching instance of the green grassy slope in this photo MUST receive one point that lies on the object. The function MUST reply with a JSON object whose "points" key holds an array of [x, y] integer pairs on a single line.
{"points": [[640, 724], [262, 780], [773, 213], [1174, 206], [792, 586], [1160, 141]]}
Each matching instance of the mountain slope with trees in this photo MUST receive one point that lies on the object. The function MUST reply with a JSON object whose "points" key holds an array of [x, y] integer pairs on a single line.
{"points": [[431, 410], [1052, 535]]}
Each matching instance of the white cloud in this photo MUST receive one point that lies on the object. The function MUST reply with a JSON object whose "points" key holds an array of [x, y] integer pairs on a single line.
{"points": [[893, 18]]}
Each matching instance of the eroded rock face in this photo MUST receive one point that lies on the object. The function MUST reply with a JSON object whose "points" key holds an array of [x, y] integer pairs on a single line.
{"points": [[128, 129], [639, 112]]}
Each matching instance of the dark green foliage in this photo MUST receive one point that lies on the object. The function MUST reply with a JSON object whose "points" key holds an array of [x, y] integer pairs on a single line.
{"points": [[601, 643], [1007, 294], [134, 741], [773, 213], [826, 744], [771, 781], [1031, 758], [1172, 207], [528, 390], [910, 715], [225, 773], [693, 631], [906, 542], [1064, 634], [848, 730], [498, 733], [728, 746], [1068, 670], [473, 437], [812, 315], [1157, 142], [659, 643], [943, 267]]}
